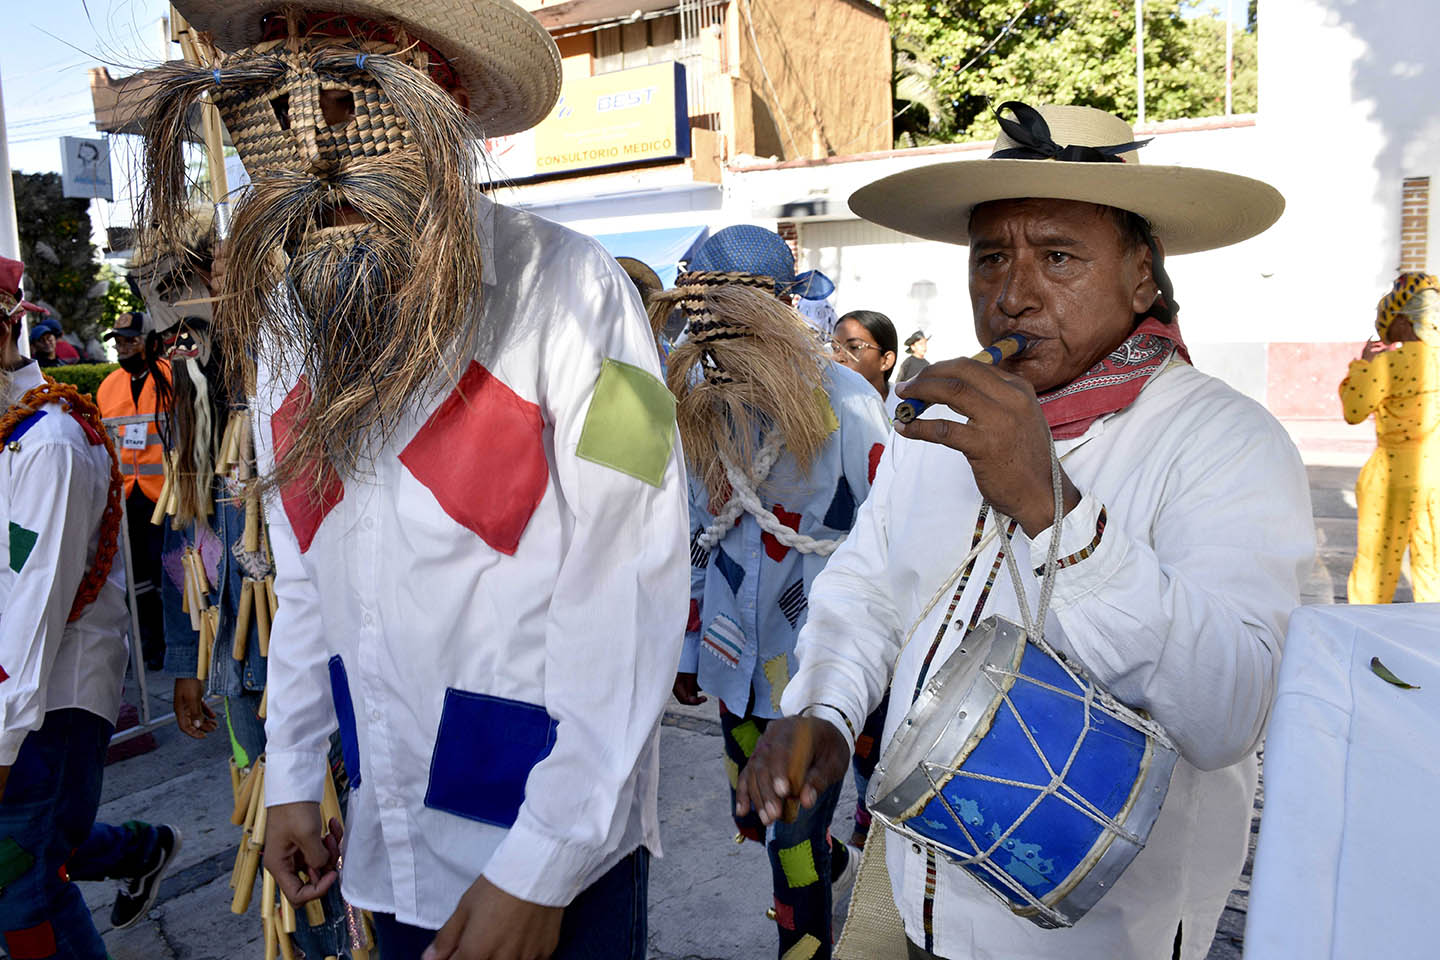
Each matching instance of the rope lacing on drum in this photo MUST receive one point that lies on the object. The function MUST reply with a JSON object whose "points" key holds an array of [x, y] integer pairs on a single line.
{"points": [[744, 499]]}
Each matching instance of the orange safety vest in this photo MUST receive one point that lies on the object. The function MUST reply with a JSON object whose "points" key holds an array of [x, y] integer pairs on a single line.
{"points": [[144, 466]]}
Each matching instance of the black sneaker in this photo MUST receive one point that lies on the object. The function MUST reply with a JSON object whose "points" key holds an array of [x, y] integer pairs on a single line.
{"points": [[137, 895]]}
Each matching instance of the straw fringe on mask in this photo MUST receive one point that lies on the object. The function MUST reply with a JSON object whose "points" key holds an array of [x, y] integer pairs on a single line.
{"points": [[377, 316], [748, 364]]}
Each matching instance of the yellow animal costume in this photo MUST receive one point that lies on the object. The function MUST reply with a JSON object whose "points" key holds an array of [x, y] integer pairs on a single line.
{"points": [[1398, 493]]}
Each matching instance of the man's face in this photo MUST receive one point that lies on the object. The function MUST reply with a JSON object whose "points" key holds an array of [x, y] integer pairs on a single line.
{"points": [[1059, 272], [43, 345], [126, 346]]}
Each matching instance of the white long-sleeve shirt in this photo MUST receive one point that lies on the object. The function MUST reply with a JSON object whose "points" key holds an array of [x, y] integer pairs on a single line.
{"points": [[494, 588], [1180, 610], [53, 490]]}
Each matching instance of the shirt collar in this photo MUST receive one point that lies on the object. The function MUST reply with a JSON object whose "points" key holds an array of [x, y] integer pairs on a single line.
{"points": [[485, 224], [21, 381]]}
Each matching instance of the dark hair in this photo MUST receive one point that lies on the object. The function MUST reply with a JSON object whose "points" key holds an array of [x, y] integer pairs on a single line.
{"points": [[1135, 230], [153, 350], [878, 326]]}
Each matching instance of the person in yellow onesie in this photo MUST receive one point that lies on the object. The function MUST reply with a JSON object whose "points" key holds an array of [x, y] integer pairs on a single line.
{"points": [[1398, 494]]}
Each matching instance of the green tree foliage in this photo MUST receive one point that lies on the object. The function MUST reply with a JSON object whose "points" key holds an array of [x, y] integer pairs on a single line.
{"points": [[118, 298], [979, 53], [60, 265]]}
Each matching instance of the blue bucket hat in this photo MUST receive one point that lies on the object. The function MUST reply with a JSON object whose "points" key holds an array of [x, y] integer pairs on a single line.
{"points": [[749, 249]]}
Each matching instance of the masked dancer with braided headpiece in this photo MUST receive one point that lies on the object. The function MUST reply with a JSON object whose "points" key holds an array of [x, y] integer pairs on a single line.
{"points": [[476, 512], [219, 578], [62, 661], [781, 444]]}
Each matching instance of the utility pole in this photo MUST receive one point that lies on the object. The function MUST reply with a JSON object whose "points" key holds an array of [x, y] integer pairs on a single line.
{"points": [[9, 231], [1229, 56], [1140, 60]]}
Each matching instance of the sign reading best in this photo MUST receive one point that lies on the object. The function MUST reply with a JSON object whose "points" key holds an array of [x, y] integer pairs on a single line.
{"points": [[615, 119]]}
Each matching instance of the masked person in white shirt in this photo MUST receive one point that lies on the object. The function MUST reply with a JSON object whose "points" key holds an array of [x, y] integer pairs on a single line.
{"points": [[476, 509], [1186, 523], [62, 661]]}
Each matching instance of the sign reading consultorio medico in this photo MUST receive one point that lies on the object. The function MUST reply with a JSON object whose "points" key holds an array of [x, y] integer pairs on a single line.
{"points": [[615, 119]]}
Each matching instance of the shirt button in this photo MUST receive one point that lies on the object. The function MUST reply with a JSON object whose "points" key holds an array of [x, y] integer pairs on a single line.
{"points": [[915, 847], [375, 715], [368, 620], [369, 523]]}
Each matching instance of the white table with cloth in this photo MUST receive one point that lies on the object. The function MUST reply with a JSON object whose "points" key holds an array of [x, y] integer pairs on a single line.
{"points": [[1348, 860]]}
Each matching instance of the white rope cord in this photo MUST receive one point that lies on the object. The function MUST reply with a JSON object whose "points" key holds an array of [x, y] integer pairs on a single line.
{"points": [[200, 453], [743, 499]]}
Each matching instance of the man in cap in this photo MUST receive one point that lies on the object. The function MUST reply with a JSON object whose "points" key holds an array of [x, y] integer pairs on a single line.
{"points": [[1397, 378], [136, 392], [476, 513], [62, 661], [781, 445], [1183, 533]]}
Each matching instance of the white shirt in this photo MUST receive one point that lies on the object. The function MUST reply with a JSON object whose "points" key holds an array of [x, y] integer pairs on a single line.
{"points": [[53, 491], [1180, 610], [584, 620]]}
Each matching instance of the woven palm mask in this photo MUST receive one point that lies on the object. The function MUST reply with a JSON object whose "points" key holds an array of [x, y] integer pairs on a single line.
{"points": [[176, 297], [280, 126]]}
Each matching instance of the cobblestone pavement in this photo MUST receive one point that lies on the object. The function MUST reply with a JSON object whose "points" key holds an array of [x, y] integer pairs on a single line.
{"points": [[708, 896]]}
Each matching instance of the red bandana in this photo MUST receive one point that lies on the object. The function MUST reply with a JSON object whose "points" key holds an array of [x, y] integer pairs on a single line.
{"points": [[1113, 384]]}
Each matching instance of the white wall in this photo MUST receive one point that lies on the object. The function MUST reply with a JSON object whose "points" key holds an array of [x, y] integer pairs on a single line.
{"points": [[1349, 108]]}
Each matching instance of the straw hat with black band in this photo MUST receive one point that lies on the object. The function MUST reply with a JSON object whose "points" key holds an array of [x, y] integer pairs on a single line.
{"points": [[1073, 153], [505, 59]]}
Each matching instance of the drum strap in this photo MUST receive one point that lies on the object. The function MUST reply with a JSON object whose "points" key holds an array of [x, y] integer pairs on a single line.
{"points": [[1035, 626]]}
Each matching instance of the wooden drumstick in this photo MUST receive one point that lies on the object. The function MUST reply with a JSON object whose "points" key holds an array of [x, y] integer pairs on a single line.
{"points": [[800, 746]]}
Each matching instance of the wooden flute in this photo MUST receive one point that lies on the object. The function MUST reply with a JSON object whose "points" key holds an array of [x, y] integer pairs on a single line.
{"points": [[1002, 349]]}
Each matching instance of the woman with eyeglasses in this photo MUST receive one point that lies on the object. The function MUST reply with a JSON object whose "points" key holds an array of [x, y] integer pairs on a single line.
{"points": [[865, 341]]}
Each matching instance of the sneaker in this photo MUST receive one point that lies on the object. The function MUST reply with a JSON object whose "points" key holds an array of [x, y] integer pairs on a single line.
{"points": [[842, 882], [137, 895]]}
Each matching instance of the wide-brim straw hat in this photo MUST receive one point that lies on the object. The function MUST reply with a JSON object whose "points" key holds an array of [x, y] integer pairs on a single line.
{"points": [[507, 61], [1069, 155], [641, 274]]}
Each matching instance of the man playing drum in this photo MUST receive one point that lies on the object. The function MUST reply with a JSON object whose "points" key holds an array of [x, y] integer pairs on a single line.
{"points": [[1186, 522]]}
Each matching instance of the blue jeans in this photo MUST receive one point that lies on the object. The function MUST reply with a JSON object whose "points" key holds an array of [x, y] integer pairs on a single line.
{"points": [[607, 921], [48, 836]]}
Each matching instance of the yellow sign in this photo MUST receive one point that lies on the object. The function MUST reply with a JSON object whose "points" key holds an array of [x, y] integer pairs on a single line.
{"points": [[615, 119]]}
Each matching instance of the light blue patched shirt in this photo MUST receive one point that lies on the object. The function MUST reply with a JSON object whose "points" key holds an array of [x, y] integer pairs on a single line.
{"points": [[748, 592]]}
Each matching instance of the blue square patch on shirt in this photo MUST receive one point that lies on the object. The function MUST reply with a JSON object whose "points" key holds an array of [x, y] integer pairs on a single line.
{"points": [[484, 752], [345, 715]]}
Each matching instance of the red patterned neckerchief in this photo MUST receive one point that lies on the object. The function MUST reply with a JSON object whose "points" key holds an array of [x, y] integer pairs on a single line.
{"points": [[1113, 384]]}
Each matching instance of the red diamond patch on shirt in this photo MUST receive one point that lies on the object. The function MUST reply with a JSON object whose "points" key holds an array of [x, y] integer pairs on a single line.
{"points": [[773, 546], [482, 455], [876, 452], [305, 506]]}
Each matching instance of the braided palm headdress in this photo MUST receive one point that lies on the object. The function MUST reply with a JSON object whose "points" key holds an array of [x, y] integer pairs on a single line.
{"points": [[747, 364]]}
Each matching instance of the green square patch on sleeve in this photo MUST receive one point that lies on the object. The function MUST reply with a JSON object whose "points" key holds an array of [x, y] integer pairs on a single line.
{"points": [[22, 541], [630, 425]]}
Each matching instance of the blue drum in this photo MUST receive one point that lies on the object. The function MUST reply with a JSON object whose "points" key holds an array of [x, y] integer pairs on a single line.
{"points": [[1017, 767]]}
